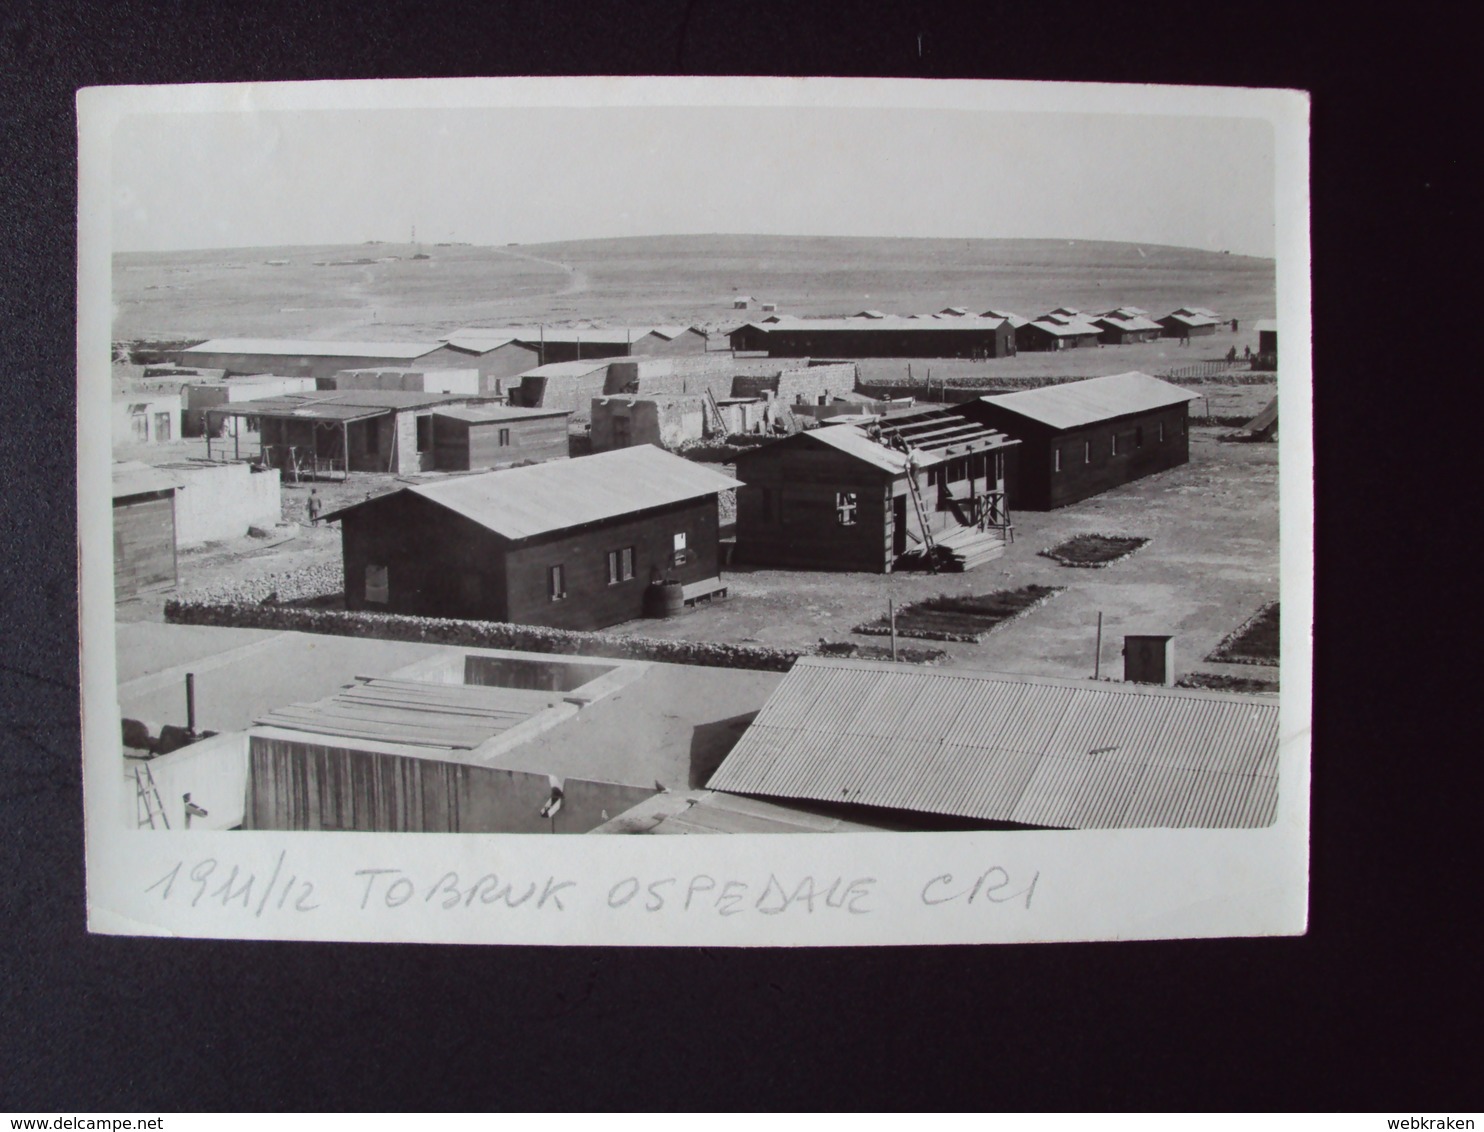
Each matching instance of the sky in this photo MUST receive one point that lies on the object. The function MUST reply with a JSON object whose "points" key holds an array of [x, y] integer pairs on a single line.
{"points": [[270, 178]]}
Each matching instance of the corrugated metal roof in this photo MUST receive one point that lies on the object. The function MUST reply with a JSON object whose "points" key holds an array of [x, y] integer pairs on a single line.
{"points": [[523, 502], [1126, 322], [1079, 403], [452, 716], [670, 333], [474, 345], [130, 477], [1024, 749], [1190, 319], [1065, 329], [304, 347], [338, 405], [885, 323], [567, 369]]}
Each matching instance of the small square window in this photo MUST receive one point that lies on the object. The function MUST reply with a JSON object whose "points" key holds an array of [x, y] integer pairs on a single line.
{"points": [[1087, 452], [1056, 459], [1115, 444], [556, 583], [845, 508], [1161, 432], [680, 542], [504, 438]]}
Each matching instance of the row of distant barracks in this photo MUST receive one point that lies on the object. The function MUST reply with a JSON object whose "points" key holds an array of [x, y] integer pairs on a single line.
{"points": [[588, 542]]}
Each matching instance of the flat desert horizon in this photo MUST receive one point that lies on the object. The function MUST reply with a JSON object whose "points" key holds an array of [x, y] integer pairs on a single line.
{"points": [[377, 290]]}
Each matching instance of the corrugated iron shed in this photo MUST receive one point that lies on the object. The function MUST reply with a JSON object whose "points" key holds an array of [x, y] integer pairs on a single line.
{"points": [[1078, 403], [1027, 750], [304, 347], [523, 502]]}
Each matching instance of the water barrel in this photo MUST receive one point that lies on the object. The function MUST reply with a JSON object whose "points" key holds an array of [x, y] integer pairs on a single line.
{"points": [[666, 599]]}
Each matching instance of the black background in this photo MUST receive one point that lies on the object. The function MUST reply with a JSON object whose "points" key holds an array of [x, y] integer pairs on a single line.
{"points": [[1375, 1008]]}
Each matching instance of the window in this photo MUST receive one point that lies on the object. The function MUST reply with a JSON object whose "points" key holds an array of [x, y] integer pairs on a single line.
{"points": [[1087, 452], [377, 585], [1161, 432], [845, 508], [620, 565], [504, 438], [425, 432], [681, 555], [162, 426], [556, 583], [1115, 444], [1056, 459]]}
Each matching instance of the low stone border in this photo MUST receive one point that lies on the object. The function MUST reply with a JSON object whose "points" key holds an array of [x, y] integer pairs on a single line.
{"points": [[1223, 654], [1051, 551], [1222, 682], [476, 634], [852, 651]]}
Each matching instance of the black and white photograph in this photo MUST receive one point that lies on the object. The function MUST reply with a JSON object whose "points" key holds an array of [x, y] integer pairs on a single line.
{"points": [[880, 481]]}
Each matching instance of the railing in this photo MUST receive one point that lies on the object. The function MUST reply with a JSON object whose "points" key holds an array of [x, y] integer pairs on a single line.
{"points": [[298, 464], [1203, 369]]}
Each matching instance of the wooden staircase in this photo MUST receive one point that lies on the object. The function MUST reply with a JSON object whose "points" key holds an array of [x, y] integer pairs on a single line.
{"points": [[968, 547]]}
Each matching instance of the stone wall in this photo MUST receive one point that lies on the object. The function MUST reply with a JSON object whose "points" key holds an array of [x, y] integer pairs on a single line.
{"points": [[193, 610]]}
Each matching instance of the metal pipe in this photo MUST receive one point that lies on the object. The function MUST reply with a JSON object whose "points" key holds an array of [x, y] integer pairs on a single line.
{"points": [[191, 702], [1097, 660], [891, 614]]}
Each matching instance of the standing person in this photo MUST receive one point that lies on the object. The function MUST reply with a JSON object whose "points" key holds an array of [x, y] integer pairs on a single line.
{"points": [[314, 506]]}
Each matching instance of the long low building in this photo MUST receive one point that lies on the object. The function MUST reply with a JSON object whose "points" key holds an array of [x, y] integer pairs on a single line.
{"points": [[1084, 437], [1009, 752], [885, 337], [303, 357], [570, 344]]}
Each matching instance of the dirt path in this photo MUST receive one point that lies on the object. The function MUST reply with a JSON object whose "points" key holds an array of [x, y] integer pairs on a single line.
{"points": [[577, 281]]}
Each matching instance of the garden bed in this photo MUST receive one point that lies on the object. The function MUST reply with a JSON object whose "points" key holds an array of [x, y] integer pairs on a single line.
{"points": [[1094, 551], [852, 651], [961, 617], [1255, 641], [1221, 682]]}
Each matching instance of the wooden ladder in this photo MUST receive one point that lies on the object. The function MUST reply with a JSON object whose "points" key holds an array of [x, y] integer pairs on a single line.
{"points": [[922, 518], [721, 422], [147, 801]]}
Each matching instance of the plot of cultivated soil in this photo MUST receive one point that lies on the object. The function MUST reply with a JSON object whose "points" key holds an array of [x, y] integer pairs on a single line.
{"points": [[950, 617], [1255, 642], [1094, 550]]}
